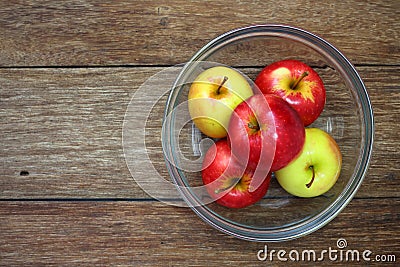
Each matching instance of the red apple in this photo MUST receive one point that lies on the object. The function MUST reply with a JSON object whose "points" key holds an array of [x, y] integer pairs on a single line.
{"points": [[227, 181], [266, 130], [298, 84]]}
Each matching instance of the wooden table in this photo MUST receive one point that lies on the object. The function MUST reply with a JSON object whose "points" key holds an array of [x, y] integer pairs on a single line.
{"points": [[67, 73]]}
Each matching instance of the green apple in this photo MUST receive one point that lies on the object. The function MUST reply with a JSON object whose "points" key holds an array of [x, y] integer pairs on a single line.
{"points": [[213, 96], [316, 169]]}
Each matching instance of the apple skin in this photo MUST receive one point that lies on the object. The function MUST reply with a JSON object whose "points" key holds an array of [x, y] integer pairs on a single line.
{"points": [[309, 95], [321, 158], [211, 105], [227, 181], [279, 137]]}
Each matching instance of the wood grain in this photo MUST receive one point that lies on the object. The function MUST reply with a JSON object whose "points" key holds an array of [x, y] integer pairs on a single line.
{"points": [[152, 234], [63, 127], [68, 70], [77, 33]]}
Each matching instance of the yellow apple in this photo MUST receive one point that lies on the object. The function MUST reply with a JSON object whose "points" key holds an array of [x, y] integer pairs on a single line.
{"points": [[316, 169], [213, 96]]}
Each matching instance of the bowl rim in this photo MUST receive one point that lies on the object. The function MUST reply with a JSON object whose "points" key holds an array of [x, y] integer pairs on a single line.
{"points": [[346, 70]]}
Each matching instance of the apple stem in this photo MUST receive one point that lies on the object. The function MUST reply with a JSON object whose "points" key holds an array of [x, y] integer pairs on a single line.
{"points": [[222, 83], [312, 178], [232, 184], [294, 85], [253, 126]]}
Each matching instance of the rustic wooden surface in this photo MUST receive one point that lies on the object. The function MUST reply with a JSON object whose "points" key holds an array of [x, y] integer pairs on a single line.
{"points": [[67, 73]]}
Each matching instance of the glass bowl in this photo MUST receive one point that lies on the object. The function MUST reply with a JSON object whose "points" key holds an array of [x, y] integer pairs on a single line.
{"points": [[347, 117]]}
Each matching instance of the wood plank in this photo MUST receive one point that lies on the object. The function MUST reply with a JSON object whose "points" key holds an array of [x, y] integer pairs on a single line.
{"points": [[48, 33], [61, 132], [153, 234], [64, 127]]}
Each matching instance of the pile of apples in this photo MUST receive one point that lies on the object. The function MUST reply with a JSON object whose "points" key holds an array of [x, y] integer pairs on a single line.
{"points": [[262, 130]]}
